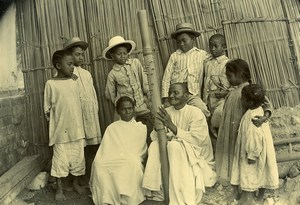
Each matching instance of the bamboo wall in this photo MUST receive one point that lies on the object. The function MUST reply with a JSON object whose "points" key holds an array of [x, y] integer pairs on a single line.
{"points": [[265, 33]]}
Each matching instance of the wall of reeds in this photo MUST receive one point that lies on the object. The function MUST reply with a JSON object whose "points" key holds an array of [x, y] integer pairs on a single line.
{"points": [[265, 33]]}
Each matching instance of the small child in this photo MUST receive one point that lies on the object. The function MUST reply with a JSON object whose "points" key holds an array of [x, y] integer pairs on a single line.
{"points": [[128, 78], [216, 84], [186, 65], [254, 162], [66, 133], [238, 74], [87, 93]]}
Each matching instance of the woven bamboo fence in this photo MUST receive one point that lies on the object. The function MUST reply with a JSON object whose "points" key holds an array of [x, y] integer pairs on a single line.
{"points": [[44, 25], [265, 33]]}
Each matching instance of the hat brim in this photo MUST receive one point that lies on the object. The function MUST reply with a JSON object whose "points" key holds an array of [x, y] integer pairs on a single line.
{"points": [[176, 33], [82, 44], [106, 55]]}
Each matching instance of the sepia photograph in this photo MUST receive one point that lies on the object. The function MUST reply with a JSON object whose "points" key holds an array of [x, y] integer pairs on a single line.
{"points": [[150, 102]]}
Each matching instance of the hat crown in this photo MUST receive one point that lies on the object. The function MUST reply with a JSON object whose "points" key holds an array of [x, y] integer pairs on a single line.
{"points": [[75, 41], [71, 41], [116, 40], [185, 26]]}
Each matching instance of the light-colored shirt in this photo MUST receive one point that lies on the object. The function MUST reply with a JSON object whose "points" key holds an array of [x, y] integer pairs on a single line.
{"points": [[61, 100], [215, 76], [128, 80], [185, 67]]}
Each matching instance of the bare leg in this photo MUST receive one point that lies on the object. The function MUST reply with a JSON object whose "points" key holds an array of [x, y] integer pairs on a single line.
{"points": [[80, 190], [234, 195], [59, 195], [261, 193], [247, 198]]}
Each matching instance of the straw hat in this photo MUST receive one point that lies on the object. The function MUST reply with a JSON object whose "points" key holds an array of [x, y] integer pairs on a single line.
{"points": [[115, 41], [75, 41], [184, 28]]}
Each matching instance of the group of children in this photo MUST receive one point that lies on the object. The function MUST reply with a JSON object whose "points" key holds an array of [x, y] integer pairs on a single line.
{"points": [[236, 110]]}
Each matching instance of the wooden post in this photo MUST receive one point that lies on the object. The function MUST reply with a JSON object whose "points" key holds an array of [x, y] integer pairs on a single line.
{"points": [[156, 100]]}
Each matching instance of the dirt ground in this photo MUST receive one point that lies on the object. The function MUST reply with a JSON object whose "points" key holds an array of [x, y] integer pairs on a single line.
{"points": [[285, 123]]}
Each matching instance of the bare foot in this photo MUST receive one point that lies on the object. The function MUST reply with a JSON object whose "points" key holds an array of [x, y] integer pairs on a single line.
{"points": [[59, 196], [234, 196], [80, 190]]}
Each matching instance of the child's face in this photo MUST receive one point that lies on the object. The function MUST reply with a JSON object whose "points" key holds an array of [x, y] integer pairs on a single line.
{"points": [[126, 111], [77, 54], [120, 55], [233, 78], [216, 47], [66, 66], [185, 42]]}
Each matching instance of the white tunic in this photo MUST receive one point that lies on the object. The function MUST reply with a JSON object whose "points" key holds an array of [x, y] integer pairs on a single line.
{"points": [[190, 158], [62, 101], [117, 170]]}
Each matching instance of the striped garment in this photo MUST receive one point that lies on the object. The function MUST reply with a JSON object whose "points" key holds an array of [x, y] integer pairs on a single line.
{"points": [[185, 67]]}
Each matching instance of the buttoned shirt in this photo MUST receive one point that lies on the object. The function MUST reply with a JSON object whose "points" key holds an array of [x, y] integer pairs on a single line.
{"points": [[215, 75], [185, 67], [129, 80]]}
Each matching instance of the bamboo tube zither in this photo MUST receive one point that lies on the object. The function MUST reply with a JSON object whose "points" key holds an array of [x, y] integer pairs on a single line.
{"points": [[156, 100]]}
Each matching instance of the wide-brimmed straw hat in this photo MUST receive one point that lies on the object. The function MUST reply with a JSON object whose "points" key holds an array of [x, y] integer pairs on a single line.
{"points": [[184, 28], [75, 41], [115, 41]]}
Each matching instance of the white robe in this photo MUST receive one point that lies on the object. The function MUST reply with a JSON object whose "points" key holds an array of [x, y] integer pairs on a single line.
{"points": [[190, 159], [117, 170]]}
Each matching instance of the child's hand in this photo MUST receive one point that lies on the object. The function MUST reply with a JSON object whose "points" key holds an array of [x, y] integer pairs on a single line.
{"points": [[74, 77], [165, 102], [259, 120], [221, 94], [251, 161], [47, 115]]}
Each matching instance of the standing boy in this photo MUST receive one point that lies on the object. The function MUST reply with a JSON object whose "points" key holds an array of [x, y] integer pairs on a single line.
{"points": [[215, 82], [66, 133], [128, 78], [87, 93], [186, 65]]}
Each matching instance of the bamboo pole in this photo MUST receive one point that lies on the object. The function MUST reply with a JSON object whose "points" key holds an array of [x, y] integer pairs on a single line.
{"points": [[155, 96]]}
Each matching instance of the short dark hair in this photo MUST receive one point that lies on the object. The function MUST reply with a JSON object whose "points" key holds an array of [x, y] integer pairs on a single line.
{"points": [[220, 37], [239, 66], [124, 99], [58, 55], [254, 93]]}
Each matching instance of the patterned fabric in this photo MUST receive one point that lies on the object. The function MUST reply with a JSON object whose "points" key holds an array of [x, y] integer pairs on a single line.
{"points": [[254, 143], [128, 80], [215, 78], [61, 100], [185, 67], [89, 106]]}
